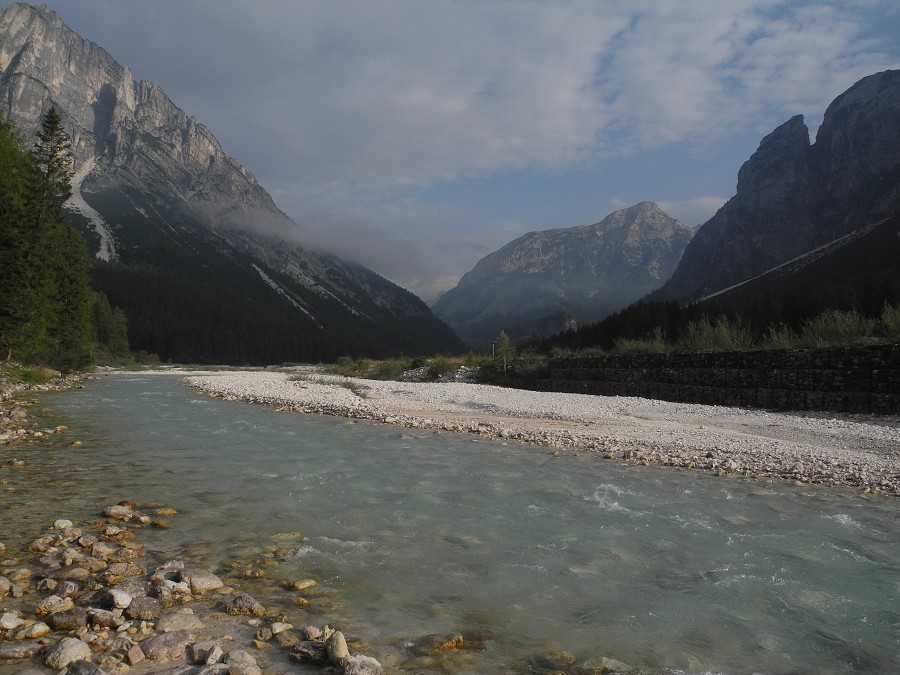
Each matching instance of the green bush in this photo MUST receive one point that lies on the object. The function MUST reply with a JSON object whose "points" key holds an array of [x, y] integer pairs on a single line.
{"points": [[890, 322], [780, 337], [704, 335], [834, 328], [655, 343]]}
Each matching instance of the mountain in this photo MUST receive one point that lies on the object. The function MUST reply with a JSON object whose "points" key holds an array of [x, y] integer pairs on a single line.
{"points": [[858, 271], [585, 272], [204, 264], [794, 197]]}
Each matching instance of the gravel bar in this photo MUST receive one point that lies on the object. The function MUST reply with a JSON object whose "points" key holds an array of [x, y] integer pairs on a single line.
{"points": [[859, 452]]}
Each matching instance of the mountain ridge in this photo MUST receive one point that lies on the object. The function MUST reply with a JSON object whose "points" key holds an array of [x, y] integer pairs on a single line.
{"points": [[158, 194], [580, 272], [793, 196]]}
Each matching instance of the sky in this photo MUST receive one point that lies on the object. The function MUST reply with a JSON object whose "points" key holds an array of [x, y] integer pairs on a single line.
{"points": [[417, 136]]}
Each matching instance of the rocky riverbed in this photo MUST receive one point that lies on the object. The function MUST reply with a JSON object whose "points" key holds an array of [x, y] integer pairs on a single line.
{"points": [[855, 452], [91, 597]]}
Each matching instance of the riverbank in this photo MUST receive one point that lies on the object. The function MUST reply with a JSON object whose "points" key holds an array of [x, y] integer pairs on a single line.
{"points": [[857, 452]]}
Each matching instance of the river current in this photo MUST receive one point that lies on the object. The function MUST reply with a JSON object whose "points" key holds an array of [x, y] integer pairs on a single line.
{"points": [[411, 532]]}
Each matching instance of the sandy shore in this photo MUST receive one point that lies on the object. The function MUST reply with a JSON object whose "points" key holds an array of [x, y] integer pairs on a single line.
{"points": [[859, 453]]}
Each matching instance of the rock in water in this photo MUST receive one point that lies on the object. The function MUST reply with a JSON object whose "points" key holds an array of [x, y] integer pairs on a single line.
{"points": [[66, 651], [166, 647], [336, 646], [200, 581], [244, 605]]}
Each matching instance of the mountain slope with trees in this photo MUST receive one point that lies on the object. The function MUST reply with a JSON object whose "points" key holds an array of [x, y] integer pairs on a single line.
{"points": [[205, 266], [46, 304]]}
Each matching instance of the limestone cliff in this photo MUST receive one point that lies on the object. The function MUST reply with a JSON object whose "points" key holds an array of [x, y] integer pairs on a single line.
{"points": [[163, 202], [793, 197], [585, 272]]}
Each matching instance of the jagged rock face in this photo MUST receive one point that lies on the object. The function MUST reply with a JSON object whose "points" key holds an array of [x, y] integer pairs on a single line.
{"points": [[793, 197], [167, 202], [135, 131], [583, 271]]}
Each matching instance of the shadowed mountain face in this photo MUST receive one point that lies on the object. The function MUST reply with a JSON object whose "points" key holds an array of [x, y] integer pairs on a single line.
{"points": [[793, 197], [581, 272], [196, 252]]}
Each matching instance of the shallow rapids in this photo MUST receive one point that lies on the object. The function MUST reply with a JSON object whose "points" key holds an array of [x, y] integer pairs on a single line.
{"points": [[410, 533]]}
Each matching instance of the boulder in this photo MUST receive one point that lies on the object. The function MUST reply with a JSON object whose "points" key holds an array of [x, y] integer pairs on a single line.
{"points": [[200, 581], [362, 665], [144, 609], [17, 651], [66, 651], [244, 605], [205, 652], [336, 646], [83, 668], [166, 647], [311, 652], [53, 604], [71, 619], [10, 621]]}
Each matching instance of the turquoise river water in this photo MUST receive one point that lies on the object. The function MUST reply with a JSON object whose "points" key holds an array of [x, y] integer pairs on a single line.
{"points": [[410, 533]]}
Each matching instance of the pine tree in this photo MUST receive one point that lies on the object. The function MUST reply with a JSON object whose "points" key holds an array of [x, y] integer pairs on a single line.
{"points": [[18, 303], [70, 322], [59, 264]]}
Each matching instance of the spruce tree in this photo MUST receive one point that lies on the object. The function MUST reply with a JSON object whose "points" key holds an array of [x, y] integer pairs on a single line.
{"points": [[18, 302], [59, 263]]}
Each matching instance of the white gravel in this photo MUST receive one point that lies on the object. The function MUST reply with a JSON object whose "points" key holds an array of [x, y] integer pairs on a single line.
{"points": [[862, 453]]}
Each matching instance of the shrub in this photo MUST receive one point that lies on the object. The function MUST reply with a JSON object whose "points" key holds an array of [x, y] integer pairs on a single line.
{"points": [[834, 328], [890, 322], [780, 337], [655, 343], [703, 335]]}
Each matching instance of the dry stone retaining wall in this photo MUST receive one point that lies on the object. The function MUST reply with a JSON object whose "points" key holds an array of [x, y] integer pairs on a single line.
{"points": [[851, 379]]}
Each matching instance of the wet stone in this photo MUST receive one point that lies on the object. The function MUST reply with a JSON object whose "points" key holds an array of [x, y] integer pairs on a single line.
{"points": [[71, 619], [144, 609], [244, 605], [53, 604], [66, 651], [83, 667], [309, 651], [200, 581], [34, 631], [10, 621], [166, 647], [205, 652], [19, 650], [179, 621], [336, 647]]}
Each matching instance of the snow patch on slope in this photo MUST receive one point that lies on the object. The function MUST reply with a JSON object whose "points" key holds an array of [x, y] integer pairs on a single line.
{"points": [[274, 285], [76, 203]]}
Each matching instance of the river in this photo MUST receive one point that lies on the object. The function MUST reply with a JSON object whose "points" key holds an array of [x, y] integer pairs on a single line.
{"points": [[410, 533]]}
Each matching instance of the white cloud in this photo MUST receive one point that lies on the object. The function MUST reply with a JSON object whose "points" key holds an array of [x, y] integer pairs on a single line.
{"points": [[346, 110], [693, 212]]}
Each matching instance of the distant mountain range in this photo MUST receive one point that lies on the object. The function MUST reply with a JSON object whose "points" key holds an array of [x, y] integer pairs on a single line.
{"points": [[547, 281], [812, 227], [204, 264]]}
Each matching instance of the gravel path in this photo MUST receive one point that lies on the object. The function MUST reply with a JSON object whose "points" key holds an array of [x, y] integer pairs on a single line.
{"points": [[863, 453]]}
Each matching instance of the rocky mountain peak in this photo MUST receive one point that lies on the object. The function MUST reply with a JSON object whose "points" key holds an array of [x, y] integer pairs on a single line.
{"points": [[585, 271], [793, 197], [157, 194]]}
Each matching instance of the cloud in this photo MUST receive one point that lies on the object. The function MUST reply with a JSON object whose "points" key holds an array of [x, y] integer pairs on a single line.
{"points": [[349, 112], [693, 212]]}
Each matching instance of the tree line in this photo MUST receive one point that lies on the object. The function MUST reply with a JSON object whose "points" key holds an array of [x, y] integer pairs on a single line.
{"points": [[48, 313]]}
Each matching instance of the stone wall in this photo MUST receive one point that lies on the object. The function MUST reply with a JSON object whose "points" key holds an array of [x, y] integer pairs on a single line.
{"points": [[852, 379]]}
